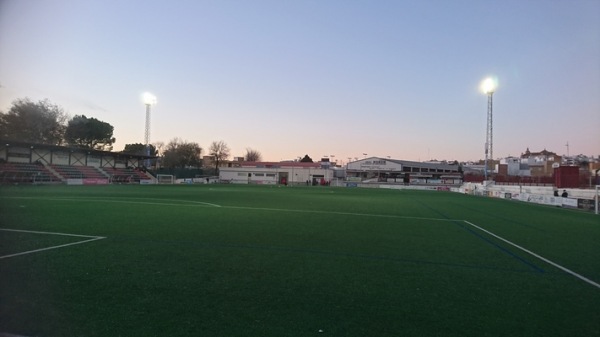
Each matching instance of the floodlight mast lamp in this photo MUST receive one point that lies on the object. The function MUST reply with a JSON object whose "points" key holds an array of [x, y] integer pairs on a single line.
{"points": [[149, 101], [488, 86]]}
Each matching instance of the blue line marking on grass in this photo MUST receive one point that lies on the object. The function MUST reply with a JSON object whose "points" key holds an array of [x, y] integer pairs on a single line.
{"points": [[530, 264], [566, 270], [488, 241], [497, 216], [294, 250], [371, 257]]}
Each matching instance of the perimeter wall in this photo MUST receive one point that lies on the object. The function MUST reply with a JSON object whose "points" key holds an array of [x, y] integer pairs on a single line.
{"points": [[577, 198]]}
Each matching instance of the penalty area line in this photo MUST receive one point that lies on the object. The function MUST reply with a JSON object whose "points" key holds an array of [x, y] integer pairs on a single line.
{"points": [[566, 270], [48, 233], [91, 238], [392, 216], [173, 202]]}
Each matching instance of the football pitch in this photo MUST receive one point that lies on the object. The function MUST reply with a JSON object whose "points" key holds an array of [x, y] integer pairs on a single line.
{"points": [[236, 260]]}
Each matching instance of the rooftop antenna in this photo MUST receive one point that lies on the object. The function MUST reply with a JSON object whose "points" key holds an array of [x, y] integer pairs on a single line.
{"points": [[567, 145]]}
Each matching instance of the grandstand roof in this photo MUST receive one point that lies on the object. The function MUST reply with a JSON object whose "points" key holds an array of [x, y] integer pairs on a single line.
{"points": [[408, 163], [9, 143], [272, 164]]}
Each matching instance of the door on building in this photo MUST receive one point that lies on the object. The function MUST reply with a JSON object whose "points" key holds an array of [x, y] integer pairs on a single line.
{"points": [[283, 178]]}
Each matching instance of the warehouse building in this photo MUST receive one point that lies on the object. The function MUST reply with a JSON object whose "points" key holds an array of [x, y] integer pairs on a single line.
{"points": [[378, 169]]}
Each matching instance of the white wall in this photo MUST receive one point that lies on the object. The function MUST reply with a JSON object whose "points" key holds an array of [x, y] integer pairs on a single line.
{"points": [[93, 161], [259, 175], [60, 158], [473, 188]]}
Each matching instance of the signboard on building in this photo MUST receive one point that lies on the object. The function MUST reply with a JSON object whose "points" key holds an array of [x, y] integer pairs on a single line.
{"points": [[375, 164]]}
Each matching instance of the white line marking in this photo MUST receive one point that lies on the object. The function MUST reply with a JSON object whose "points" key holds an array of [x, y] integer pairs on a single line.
{"points": [[189, 201], [4, 334], [92, 238], [199, 203], [585, 279], [48, 248], [338, 213], [193, 203], [581, 277], [48, 233]]}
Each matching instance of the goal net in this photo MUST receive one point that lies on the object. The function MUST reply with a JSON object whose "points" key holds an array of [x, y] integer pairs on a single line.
{"points": [[165, 179]]}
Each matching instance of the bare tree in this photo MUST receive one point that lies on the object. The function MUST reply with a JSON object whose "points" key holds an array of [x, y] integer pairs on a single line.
{"points": [[220, 152], [252, 155], [182, 154], [159, 147]]}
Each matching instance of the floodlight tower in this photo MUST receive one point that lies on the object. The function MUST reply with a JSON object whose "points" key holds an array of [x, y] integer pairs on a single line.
{"points": [[149, 100], [488, 86]]}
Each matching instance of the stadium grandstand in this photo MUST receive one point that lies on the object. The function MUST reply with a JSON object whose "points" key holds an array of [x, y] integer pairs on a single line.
{"points": [[49, 164]]}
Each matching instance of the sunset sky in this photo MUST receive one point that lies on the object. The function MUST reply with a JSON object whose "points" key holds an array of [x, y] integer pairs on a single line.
{"points": [[289, 78]]}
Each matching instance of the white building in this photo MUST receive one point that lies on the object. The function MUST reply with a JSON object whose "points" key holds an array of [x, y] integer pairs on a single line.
{"points": [[514, 167], [293, 173], [367, 170]]}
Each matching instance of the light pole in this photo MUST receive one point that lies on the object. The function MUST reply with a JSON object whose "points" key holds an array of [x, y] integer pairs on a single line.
{"points": [[149, 100], [331, 156], [328, 166], [488, 86]]}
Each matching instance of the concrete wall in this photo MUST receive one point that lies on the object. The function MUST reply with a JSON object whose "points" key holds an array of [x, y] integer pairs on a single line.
{"points": [[538, 190], [577, 198]]}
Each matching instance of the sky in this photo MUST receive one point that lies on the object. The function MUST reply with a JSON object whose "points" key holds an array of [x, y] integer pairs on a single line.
{"points": [[350, 78]]}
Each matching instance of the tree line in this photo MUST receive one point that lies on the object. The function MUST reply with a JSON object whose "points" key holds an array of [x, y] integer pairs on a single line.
{"points": [[45, 123]]}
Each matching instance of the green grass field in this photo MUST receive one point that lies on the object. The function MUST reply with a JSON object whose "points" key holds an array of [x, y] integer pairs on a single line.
{"points": [[229, 260]]}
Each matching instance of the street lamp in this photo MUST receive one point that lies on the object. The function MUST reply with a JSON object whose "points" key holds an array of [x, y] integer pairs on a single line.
{"points": [[149, 100], [488, 86]]}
